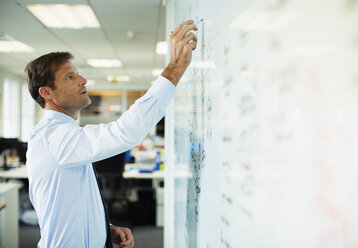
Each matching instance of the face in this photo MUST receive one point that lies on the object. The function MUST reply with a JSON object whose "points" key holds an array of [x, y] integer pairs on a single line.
{"points": [[70, 93]]}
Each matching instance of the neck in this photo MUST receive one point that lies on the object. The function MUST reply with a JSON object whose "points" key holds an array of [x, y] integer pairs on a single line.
{"points": [[74, 114]]}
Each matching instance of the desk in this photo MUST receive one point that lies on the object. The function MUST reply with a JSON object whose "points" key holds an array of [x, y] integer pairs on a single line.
{"points": [[157, 177], [15, 173], [136, 174], [9, 216]]}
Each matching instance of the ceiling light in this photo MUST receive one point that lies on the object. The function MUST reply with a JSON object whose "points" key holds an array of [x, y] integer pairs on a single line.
{"points": [[65, 16], [162, 47], [263, 20], [104, 62], [156, 72], [121, 78], [9, 46], [202, 64]]}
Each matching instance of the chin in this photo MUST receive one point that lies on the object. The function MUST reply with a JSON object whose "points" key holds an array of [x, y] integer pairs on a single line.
{"points": [[88, 102]]}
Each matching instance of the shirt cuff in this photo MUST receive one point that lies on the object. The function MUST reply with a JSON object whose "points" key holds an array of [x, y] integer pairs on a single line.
{"points": [[163, 89]]}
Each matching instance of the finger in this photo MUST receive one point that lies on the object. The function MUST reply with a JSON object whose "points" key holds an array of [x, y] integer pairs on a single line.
{"points": [[127, 244], [176, 30], [182, 32], [192, 45], [189, 37], [122, 234], [180, 26], [128, 233]]}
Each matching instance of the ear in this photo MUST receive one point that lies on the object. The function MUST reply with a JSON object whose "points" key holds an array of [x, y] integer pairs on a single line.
{"points": [[46, 93]]}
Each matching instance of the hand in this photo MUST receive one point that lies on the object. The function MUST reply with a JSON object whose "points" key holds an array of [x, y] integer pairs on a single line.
{"points": [[122, 237], [182, 43]]}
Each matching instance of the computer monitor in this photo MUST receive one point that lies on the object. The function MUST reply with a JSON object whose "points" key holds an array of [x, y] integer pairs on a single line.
{"points": [[13, 143], [8, 143]]}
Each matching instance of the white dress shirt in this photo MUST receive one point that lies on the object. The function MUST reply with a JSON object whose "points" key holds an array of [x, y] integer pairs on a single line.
{"points": [[62, 185]]}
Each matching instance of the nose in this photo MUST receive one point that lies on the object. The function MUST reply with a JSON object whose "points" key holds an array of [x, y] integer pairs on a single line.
{"points": [[83, 81]]}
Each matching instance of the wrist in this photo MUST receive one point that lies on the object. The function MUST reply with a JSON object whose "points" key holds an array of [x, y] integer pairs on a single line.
{"points": [[173, 72]]}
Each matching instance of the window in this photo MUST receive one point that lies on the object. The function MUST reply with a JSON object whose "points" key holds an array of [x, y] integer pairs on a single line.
{"points": [[11, 109]]}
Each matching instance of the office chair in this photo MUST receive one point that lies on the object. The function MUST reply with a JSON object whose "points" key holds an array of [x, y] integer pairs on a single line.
{"points": [[110, 178]]}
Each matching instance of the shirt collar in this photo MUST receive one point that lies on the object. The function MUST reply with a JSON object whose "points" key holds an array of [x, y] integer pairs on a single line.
{"points": [[52, 114]]}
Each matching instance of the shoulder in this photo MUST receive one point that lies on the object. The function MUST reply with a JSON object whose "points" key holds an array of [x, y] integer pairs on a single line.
{"points": [[50, 127], [38, 128], [60, 128]]}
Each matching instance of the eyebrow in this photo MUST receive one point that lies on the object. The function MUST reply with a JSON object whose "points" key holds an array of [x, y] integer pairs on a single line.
{"points": [[69, 73]]}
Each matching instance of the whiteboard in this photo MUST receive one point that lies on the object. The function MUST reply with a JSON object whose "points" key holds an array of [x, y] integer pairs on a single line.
{"points": [[263, 133]]}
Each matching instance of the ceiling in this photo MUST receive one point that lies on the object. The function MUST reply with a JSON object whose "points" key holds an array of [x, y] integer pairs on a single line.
{"points": [[146, 18]]}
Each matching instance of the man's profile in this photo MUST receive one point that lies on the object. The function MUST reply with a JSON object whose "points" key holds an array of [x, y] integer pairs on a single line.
{"points": [[62, 184]]}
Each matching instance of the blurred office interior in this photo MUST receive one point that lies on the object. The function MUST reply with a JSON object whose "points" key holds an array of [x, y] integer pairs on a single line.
{"points": [[120, 48]]}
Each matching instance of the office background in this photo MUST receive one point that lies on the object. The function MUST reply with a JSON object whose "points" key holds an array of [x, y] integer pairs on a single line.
{"points": [[119, 47], [260, 139]]}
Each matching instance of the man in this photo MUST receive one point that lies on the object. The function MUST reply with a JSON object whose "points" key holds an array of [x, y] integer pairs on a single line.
{"points": [[62, 184]]}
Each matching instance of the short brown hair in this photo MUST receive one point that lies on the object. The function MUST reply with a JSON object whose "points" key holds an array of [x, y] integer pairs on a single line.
{"points": [[41, 72]]}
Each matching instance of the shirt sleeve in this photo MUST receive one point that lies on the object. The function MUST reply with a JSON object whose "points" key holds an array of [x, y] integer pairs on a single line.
{"points": [[71, 145]]}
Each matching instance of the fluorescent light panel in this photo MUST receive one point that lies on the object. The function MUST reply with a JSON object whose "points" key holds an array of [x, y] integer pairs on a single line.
{"points": [[65, 16], [104, 63], [162, 48], [263, 20], [9, 46], [118, 78]]}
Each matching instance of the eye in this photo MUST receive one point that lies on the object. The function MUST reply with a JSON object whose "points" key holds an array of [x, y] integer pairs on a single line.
{"points": [[69, 77]]}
